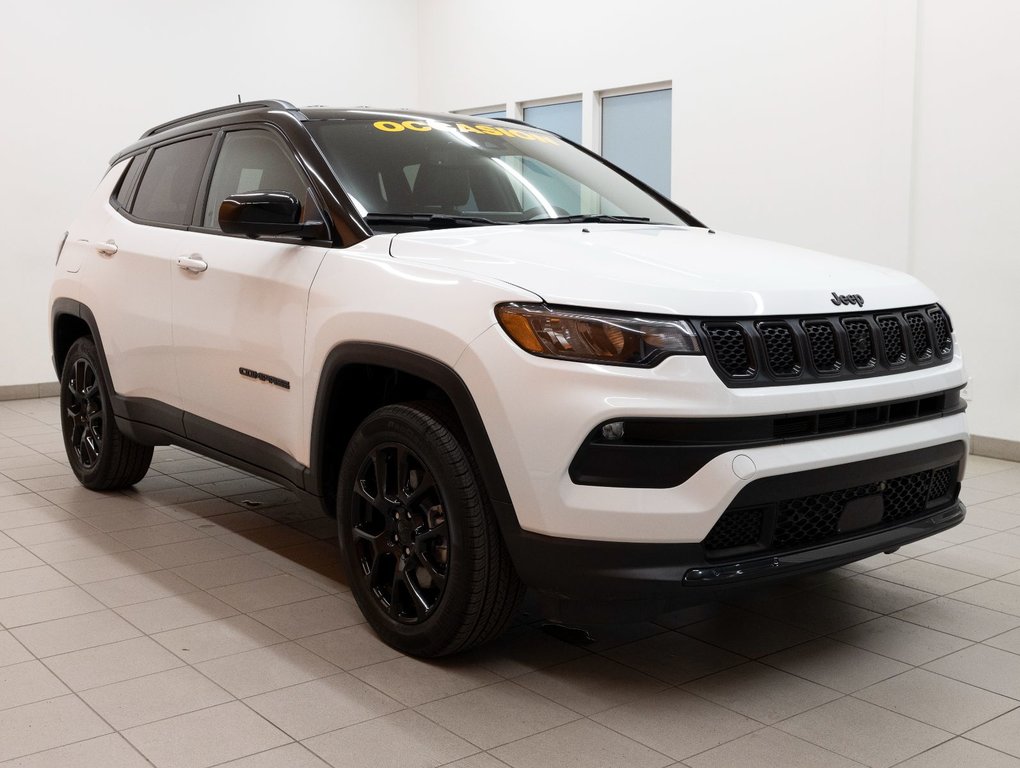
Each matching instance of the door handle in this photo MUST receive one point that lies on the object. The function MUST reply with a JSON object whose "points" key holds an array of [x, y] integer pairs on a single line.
{"points": [[193, 263], [106, 249]]}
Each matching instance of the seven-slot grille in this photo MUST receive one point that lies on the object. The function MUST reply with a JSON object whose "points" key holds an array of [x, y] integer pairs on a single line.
{"points": [[792, 350]]}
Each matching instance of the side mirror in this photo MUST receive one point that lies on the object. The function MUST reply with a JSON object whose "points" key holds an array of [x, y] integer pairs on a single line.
{"points": [[258, 214]]}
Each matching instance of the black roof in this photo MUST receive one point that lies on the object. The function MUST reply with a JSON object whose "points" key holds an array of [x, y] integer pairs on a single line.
{"points": [[274, 110]]}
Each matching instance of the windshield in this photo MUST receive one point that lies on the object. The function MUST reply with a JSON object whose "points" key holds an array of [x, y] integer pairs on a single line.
{"points": [[429, 172]]}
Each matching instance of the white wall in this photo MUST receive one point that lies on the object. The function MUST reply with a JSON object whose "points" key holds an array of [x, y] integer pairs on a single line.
{"points": [[80, 80], [884, 130]]}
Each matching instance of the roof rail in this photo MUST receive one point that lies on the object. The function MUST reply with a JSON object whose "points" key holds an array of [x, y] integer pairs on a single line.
{"points": [[241, 107]]}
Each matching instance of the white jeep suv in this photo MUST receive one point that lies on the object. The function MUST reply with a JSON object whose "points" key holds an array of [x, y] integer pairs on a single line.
{"points": [[501, 362]]}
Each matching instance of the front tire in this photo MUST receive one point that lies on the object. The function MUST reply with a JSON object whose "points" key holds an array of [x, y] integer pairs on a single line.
{"points": [[100, 455], [420, 543]]}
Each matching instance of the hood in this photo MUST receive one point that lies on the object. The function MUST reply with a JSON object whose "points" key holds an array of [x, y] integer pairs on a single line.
{"points": [[661, 269]]}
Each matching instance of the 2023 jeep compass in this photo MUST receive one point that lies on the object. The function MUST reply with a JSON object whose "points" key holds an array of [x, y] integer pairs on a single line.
{"points": [[501, 362]]}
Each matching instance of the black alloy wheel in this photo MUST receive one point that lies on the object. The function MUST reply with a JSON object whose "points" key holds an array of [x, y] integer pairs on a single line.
{"points": [[84, 413], [418, 538], [101, 456], [400, 531]]}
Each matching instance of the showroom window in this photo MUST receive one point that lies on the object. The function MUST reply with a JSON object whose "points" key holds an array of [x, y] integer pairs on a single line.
{"points": [[250, 161], [498, 114], [563, 118], [167, 191], [637, 133]]}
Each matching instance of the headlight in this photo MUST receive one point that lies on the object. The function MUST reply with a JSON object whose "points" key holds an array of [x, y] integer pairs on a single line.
{"points": [[596, 337]]}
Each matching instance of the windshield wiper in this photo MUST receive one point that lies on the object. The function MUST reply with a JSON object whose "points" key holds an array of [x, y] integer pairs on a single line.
{"points": [[429, 220], [588, 218]]}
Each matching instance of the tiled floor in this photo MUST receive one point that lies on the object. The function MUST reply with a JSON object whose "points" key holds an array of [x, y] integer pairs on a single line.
{"points": [[201, 620]]}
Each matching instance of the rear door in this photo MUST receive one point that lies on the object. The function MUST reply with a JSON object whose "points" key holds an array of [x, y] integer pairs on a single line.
{"points": [[239, 305], [126, 279]]}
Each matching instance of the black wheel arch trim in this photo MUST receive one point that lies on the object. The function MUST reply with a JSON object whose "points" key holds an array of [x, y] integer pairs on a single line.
{"points": [[444, 378]]}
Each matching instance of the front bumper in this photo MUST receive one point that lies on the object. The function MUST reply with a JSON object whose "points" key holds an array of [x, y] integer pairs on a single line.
{"points": [[579, 580]]}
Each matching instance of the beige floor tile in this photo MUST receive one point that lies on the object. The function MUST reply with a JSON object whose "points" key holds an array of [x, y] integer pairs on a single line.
{"points": [[353, 647], [172, 532], [190, 510], [591, 684], [270, 537], [155, 697], [205, 738], [414, 682], [74, 633], [769, 747], [936, 700], [961, 753], [287, 756], [102, 506], [266, 669], [77, 549], [479, 760], [1007, 641], [49, 532], [214, 639], [44, 606], [927, 577], [749, 634], [140, 588], [47, 724], [310, 617], [864, 732], [266, 593], [1001, 543], [1003, 733], [106, 567], [232, 570], [115, 522], [389, 742], [28, 580], [17, 557], [814, 612], [27, 683], [37, 514], [901, 640], [674, 658], [653, 721], [12, 651], [994, 595], [179, 494], [522, 650], [175, 612], [111, 751], [581, 744], [318, 706], [22, 501], [497, 714], [188, 552], [973, 560], [958, 618], [242, 520], [1006, 481], [865, 591], [111, 663], [763, 693], [835, 665], [989, 668]]}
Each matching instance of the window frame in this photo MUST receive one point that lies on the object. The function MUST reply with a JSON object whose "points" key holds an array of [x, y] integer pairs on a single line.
{"points": [[205, 187], [148, 153]]}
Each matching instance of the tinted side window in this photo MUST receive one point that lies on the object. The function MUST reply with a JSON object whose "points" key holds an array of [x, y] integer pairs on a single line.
{"points": [[250, 161], [127, 183], [167, 191]]}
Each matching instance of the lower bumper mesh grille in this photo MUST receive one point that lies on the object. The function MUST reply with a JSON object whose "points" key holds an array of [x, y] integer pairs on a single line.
{"points": [[816, 519]]}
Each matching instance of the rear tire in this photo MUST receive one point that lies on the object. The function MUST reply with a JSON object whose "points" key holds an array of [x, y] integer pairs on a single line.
{"points": [[100, 455], [421, 545]]}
